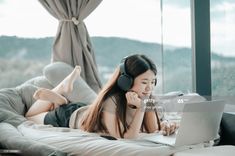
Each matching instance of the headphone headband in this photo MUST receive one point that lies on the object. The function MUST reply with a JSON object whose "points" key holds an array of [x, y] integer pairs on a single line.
{"points": [[125, 81], [123, 66]]}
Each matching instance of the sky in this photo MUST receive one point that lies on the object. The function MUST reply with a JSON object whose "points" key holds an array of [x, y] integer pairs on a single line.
{"points": [[134, 19]]}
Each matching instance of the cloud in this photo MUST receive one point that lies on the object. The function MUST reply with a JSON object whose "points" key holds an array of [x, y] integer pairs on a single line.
{"points": [[177, 4], [135, 19], [219, 11], [218, 2], [26, 18], [222, 28]]}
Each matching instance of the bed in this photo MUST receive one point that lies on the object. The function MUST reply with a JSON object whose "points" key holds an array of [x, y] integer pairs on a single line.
{"points": [[16, 132]]}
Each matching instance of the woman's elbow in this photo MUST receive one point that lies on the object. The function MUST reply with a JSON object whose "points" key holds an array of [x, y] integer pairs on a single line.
{"points": [[131, 136]]}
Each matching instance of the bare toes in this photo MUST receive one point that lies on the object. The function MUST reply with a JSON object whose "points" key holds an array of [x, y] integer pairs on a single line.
{"points": [[78, 69]]}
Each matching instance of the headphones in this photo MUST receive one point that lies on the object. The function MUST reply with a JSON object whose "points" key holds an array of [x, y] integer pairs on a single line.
{"points": [[124, 81]]}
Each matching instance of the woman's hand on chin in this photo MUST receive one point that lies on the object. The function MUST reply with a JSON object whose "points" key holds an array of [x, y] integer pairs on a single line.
{"points": [[133, 99]]}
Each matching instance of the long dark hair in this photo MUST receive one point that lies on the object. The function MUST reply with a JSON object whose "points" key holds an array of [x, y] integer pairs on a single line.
{"points": [[135, 65]]}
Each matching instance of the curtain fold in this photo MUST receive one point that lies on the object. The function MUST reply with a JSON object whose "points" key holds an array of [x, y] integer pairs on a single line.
{"points": [[72, 43]]}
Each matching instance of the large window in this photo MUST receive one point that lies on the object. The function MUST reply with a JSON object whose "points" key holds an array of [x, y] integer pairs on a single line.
{"points": [[176, 42], [123, 27], [222, 46], [24, 43], [158, 28]]}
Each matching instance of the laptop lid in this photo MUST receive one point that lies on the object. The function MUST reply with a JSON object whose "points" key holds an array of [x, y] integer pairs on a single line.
{"points": [[200, 122]]}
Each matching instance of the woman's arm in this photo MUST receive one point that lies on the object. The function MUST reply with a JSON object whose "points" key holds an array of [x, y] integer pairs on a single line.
{"points": [[110, 122], [134, 127], [151, 122], [167, 128], [137, 119]]}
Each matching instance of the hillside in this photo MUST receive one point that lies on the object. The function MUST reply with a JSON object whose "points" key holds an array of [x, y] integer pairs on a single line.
{"points": [[23, 58], [116, 48]]}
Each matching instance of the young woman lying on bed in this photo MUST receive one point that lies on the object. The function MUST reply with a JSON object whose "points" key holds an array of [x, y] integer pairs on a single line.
{"points": [[118, 110]]}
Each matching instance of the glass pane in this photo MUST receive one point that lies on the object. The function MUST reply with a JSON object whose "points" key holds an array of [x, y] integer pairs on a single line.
{"points": [[222, 47], [122, 27], [25, 47], [118, 28], [177, 53]]}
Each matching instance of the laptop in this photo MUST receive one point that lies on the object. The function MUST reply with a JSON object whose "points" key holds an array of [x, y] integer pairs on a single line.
{"points": [[200, 123]]}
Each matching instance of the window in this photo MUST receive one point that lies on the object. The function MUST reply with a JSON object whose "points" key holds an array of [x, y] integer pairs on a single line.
{"points": [[222, 47], [24, 43], [123, 27], [177, 53], [158, 28]]}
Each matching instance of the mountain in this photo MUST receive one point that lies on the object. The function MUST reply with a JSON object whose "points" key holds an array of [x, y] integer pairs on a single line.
{"points": [[117, 48], [114, 47], [23, 58], [26, 48]]}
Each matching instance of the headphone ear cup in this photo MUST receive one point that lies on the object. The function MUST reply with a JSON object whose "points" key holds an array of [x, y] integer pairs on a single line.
{"points": [[125, 82]]}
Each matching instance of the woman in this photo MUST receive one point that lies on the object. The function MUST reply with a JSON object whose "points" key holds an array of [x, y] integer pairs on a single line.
{"points": [[118, 110]]}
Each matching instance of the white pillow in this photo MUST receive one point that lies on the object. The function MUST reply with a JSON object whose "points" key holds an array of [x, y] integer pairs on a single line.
{"points": [[39, 81], [57, 71]]}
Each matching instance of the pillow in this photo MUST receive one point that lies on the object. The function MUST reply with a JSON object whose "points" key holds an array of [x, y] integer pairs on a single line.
{"points": [[26, 91], [39, 81], [57, 71]]}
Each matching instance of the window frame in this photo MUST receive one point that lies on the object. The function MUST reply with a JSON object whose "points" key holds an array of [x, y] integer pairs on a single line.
{"points": [[201, 47]]}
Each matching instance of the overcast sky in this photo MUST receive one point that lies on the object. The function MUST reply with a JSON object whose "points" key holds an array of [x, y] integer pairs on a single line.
{"points": [[135, 19]]}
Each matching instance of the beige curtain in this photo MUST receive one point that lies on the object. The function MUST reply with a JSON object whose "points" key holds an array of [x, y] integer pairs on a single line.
{"points": [[72, 43]]}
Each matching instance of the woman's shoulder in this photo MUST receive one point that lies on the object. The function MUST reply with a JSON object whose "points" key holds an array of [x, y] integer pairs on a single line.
{"points": [[110, 103]]}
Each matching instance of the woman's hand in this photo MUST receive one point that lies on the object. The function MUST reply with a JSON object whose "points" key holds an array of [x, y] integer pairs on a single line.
{"points": [[133, 99], [168, 128]]}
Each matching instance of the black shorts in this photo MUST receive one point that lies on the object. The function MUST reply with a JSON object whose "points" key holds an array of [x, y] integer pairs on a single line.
{"points": [[60, 116]]}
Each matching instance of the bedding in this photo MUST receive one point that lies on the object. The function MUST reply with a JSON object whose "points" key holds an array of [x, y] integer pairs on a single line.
{"points": [[11, 138], [16, 132], [14, 102], [77, 142]]}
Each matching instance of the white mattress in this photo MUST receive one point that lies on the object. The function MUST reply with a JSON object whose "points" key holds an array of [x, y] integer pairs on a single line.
{"points": [[77, 142]]}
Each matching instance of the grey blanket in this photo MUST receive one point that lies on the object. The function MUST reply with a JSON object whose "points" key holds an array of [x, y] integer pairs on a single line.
{"points": [[11, 138], [14, 102]]}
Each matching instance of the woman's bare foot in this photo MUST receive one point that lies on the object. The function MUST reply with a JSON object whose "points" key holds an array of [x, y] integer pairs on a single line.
{"points": [[66, 86], [48, 95]]}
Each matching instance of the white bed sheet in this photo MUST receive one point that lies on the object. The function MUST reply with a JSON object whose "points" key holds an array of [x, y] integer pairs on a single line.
{"points": [[77, 142]]}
